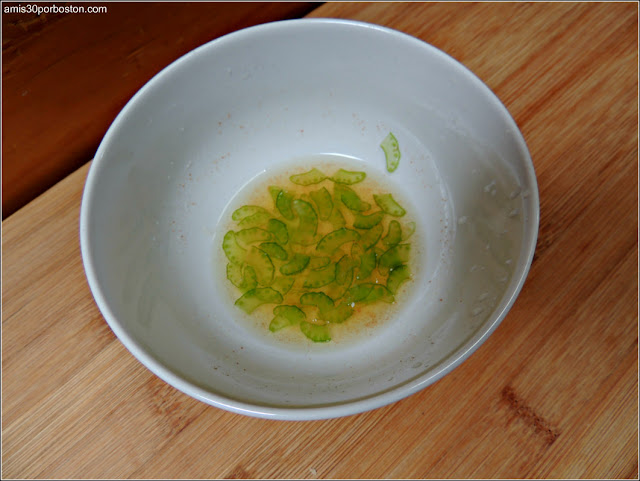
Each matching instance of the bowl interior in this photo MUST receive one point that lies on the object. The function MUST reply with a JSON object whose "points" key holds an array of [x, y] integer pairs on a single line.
{"points": [[168, 171]]}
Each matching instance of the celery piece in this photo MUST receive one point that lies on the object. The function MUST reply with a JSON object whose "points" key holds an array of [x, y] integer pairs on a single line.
{"points": [[286, 316], [274, 191], [320, 277], [254, 298], [297, 264], [315, 332], [244, 279], [329, 243], [336, 219], [344, 270], [359, 292], [261, 262], [394, 234], [337, 314], [319, 262], [391, 149], [362, 221], [232, 249], [322, 199], [395, 256], [371, 237], [279, 230], [307, 224], [396, 277], [252, 234], [314, 176], [356, 251], [348, 177], [350, 199], [255, 220], [283, 204], [318, 299], [388, 204], [282, 284], [367, 264], [408, 231], [379, 293], [274, 250], [246, 211]]}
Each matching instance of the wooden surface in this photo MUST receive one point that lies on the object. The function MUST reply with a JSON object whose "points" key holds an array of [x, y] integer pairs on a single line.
{"points": [[65, 76], [553, 393]]}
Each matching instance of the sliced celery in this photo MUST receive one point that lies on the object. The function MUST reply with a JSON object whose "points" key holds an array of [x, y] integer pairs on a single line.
{"points": [[320, 277], [394, 234], [367, 264], [286, 316], [261, 262], [350, 199], [318, 299], [315, 332], [395, 256], [282, 284], [258, 219], [322, 199], [279, 230], [314, 176], [246, 211], [244, 279], [362, 221], [397, 276], [344, 270], [252, 234], [348, 177], [283, 204], [274, 250], [254, 298], [307, 224], [319, 262], [232, 249], [297, 264], [329, 243], [371, 237], [389, 205], [338, 314], [391, 149]]}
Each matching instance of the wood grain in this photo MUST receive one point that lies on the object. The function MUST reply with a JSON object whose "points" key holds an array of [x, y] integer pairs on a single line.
{"points": [[552, 394], [65, 76]]}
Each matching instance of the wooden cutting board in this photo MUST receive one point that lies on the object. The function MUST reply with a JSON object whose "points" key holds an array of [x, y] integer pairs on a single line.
{"points": [[553, 393]]}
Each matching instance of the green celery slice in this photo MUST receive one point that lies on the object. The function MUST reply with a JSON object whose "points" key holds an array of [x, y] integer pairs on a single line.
{"points": [[286, 316], [329, 243], [322, 199], [344, 270], [279, 230], [319, 262], [282, 284], [395, 256], [254, 298], [320, 277], [388, 204], [252, 234], [274, 191], [391, 149], [284, 202], [254, 220], [408, 231], [359, 292], [379, 293], [318, 299], [397, 276], [315, 332], [367, 264], [394, 234], [246, 211], [338, 314], [307, 225], [297, 264], [314, 176], [232, 249], [362, 221], [348, 177], [371, 237], [244, 279], [350, 199], [274, 250], [261, 262], [336, 219]]}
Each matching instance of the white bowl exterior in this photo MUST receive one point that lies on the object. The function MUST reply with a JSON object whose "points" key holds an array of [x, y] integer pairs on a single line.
{"points": [[170, 165]]}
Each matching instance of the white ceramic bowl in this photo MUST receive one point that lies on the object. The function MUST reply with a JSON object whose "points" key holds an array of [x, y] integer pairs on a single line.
{"points": [[260, 98]]}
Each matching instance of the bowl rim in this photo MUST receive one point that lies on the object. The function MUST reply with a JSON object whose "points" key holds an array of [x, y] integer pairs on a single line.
{"points": [[324, 411]]}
